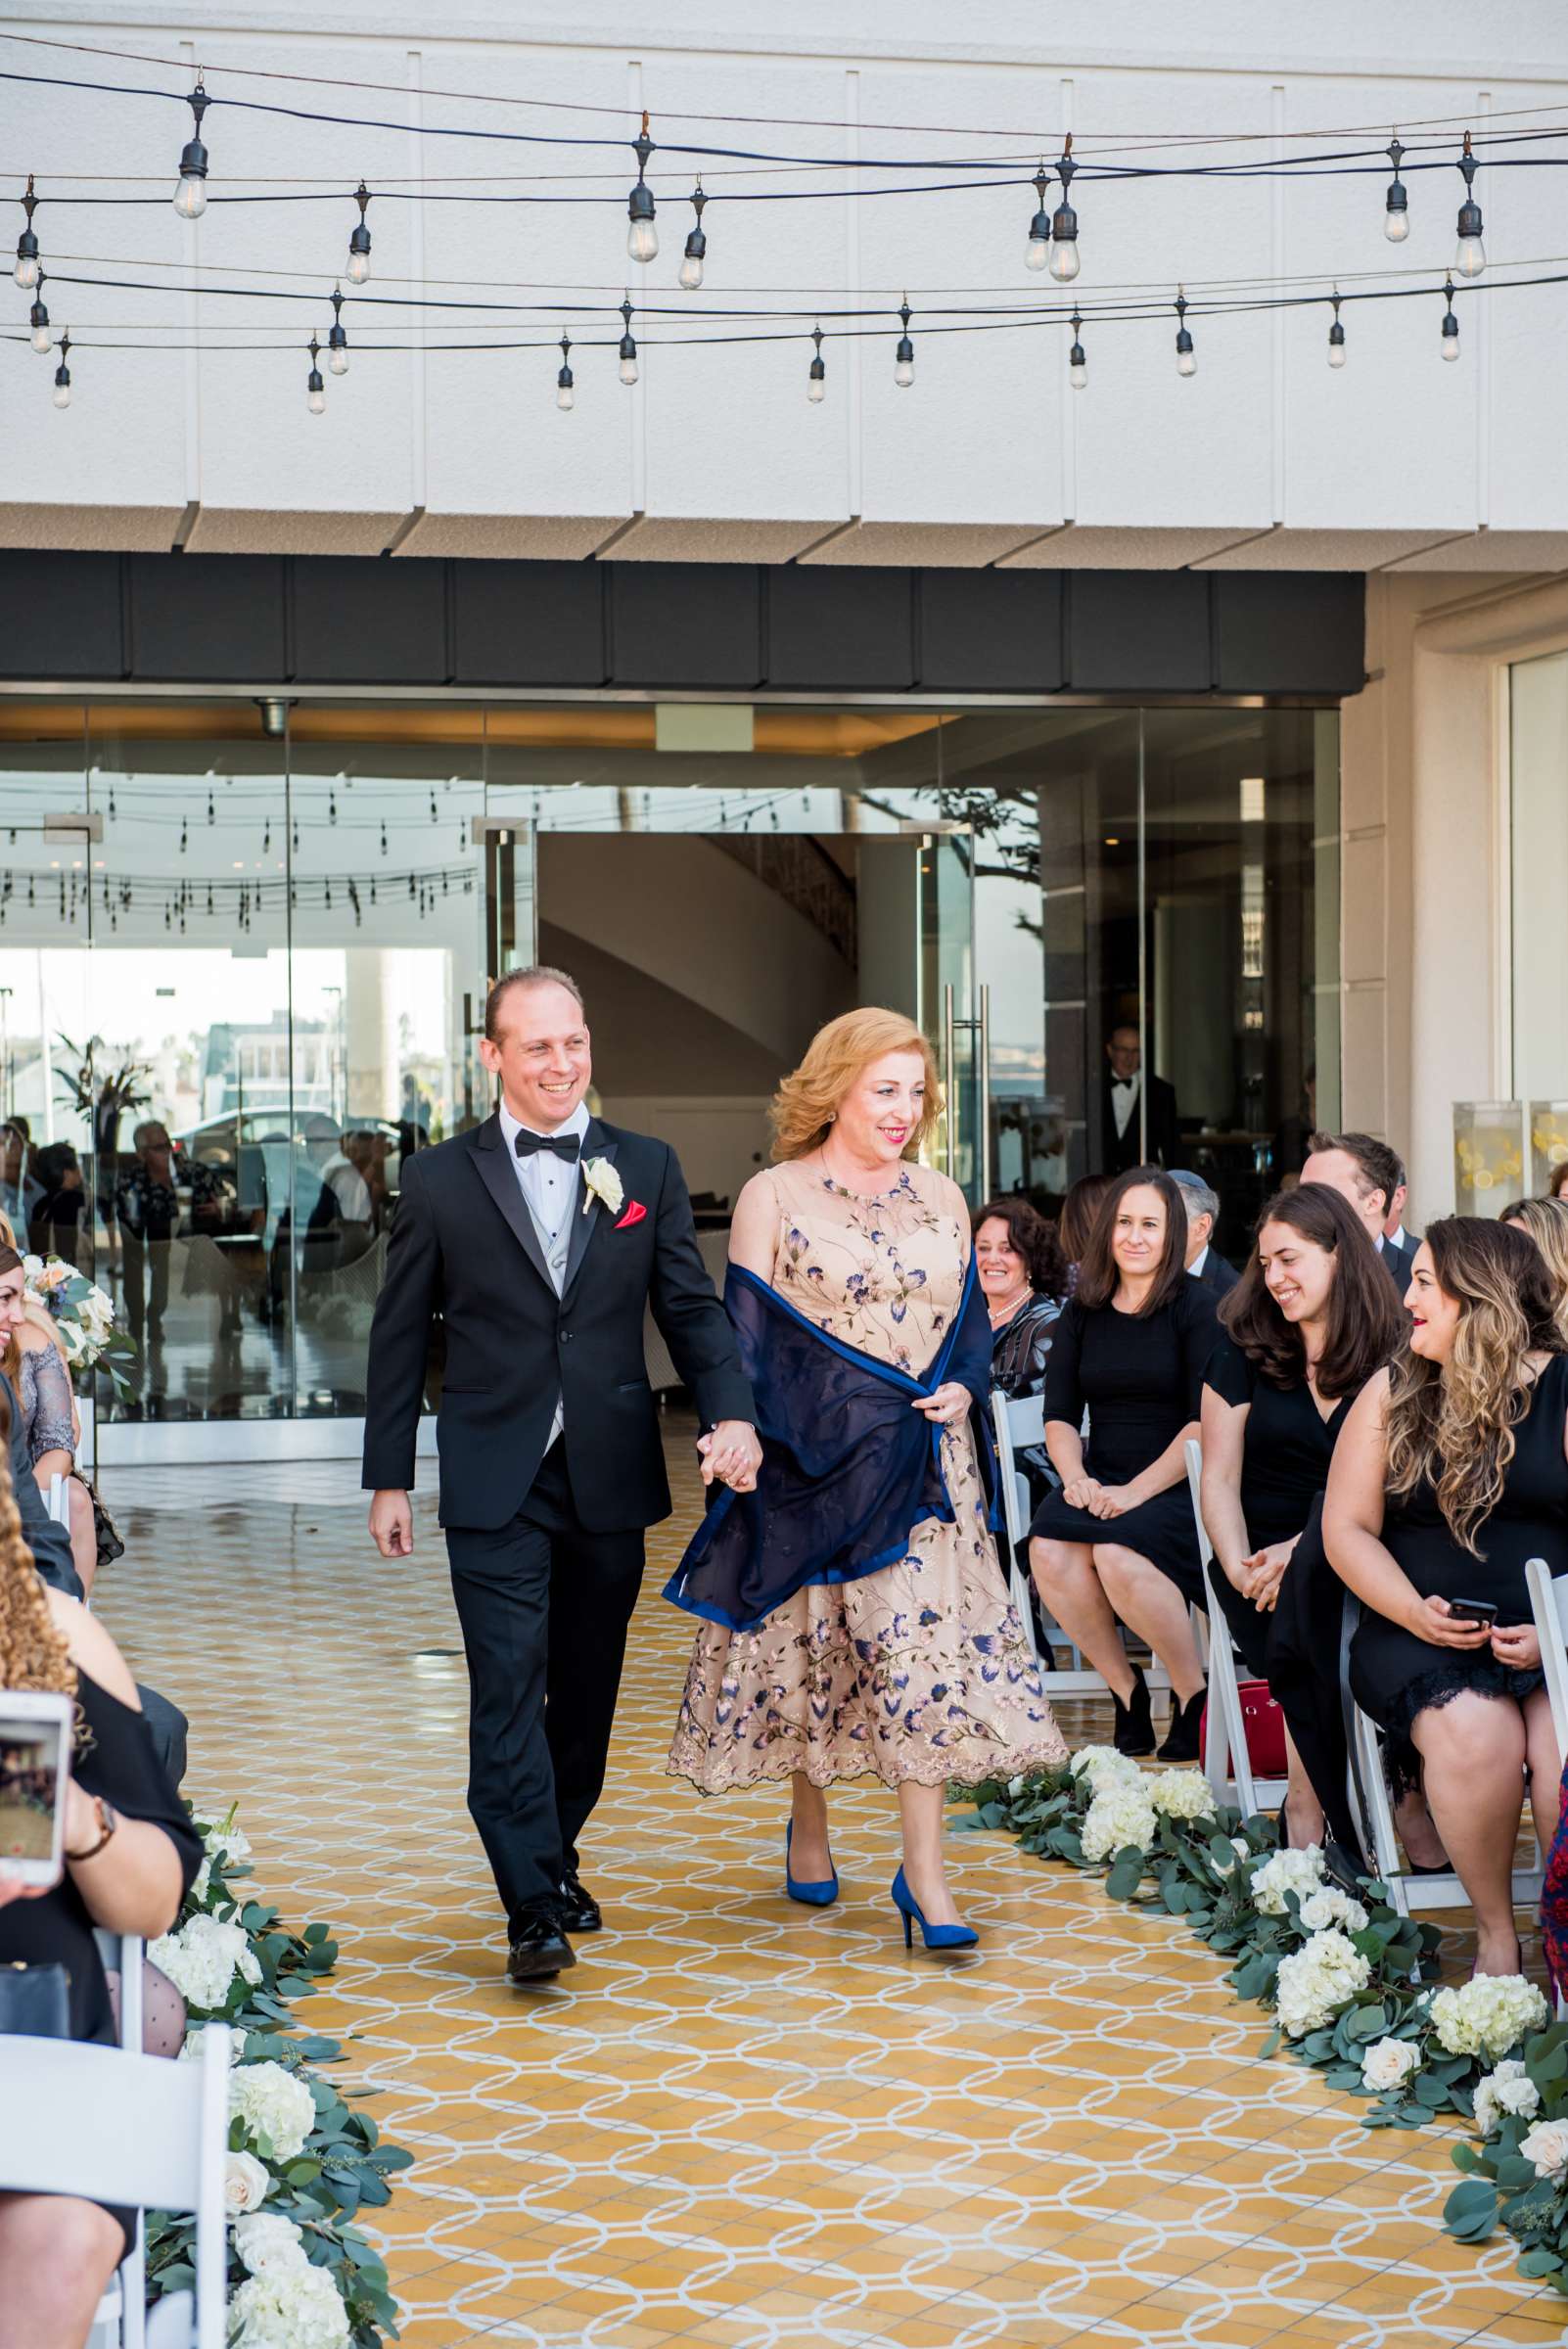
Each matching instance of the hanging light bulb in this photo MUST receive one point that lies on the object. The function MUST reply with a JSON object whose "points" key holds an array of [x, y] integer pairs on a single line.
{"points": [[190, 197], [1076, 364], [1064, 221], [359, 241], [628, 349], [38, 320], [903, 356], [1186, 356], [1472, 256], [315, 389], [1397, 202], [27, 244], [642, 238], [63, 373], [816, 373], [565, 398], [337, 340], [1451, 324], [1336, 337], [691, 267], [1040, 228]]}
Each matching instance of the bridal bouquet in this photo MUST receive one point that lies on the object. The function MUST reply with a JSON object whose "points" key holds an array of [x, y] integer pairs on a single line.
{"points": [[84, 1315]]}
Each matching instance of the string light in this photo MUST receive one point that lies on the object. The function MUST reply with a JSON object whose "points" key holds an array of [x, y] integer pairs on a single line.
{"points": [[1040, 228], [691, 267], [1451, 324], [1397, 202], [63, 372], [359, 241], [642, 238], [1471, 257], [1336, 337], [816, 373], [337, 339], [628, 349], [566, 396], [315, 389], [903, 356], [190, 195], [1186, 356], [1076, 364], [38, 319], [1064, 221], [27, 244]]}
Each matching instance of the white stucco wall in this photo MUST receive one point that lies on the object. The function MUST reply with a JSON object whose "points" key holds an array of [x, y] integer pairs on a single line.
{"points": [[1264, 458]]}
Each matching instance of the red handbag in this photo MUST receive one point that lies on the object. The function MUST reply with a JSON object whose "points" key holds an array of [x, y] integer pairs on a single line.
{"points": [[1265, 1730]]}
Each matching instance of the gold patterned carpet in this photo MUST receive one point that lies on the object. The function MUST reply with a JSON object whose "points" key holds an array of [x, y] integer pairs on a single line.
{"points": [[741, 2122]]}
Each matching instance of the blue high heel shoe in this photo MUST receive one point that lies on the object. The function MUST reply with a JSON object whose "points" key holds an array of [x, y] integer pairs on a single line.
{"points": [[935, 1937], [810, 1896]]}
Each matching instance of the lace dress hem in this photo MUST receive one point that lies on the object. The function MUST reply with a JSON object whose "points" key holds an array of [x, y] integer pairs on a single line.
{"points": [[1439, 1687], [901, 1768]]}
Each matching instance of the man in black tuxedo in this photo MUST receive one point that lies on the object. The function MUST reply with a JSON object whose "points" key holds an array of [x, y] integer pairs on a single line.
{"points": [[1368, 1173], [541, 1239], [1123, 1090], [1202, 1203]]}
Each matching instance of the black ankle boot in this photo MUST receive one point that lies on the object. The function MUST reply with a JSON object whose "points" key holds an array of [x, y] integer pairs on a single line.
{"points": [[1135, 1725], [1183, 1742]]}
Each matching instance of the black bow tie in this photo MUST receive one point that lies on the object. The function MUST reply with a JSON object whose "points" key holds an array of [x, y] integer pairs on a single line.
{"points": [[564, 1145]]}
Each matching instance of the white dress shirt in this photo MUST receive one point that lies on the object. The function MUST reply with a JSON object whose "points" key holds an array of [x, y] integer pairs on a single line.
{"points": [[1125, 1100], [1198, 1262], [551, 1187]]}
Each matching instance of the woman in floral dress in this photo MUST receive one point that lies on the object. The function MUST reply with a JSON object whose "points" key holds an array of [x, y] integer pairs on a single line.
{"points": [[856, 1616]]}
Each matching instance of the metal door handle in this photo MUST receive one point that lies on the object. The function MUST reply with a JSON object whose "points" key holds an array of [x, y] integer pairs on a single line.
{"points": [[984, 1094]]}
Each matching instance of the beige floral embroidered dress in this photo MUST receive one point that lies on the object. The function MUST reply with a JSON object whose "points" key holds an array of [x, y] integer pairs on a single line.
{"points": [[919, 1670]]}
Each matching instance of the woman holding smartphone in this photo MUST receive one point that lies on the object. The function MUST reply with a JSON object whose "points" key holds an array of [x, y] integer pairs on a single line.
{"points": [[1450, 1474], [130, 1852]]}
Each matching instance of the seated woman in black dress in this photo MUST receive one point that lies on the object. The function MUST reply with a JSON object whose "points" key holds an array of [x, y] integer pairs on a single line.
{"points": [[1452, 1473], [1310, 1320], [132, 1852], [1118, 1544]]}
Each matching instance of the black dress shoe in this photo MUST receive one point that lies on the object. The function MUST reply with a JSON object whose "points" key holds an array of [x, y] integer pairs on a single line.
{"points": [[1183, 1742], [539, 1948], [1135, 1727], [579, 1910]]}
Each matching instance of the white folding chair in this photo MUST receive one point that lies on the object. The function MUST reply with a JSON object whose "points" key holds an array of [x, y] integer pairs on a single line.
{"points": [[1019, 1420], [1226, 1761], [121, 2320], [118, 2128], [1548, 1604]]}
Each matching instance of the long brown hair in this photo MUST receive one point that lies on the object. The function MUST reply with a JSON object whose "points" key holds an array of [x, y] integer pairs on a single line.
{"points": [[1098, 1271], [32, 1654], [1363, 1321], [11, 1356], [1453, 1424], [1545, 1222], [1080, 1208], [1031, 1237]]}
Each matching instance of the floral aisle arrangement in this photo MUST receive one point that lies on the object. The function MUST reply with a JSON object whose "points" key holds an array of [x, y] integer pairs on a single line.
{"points": [[302, 2162], [1519, 2176], [84, 1315]]}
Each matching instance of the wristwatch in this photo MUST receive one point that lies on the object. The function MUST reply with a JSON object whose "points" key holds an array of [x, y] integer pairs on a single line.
{"points": [[108, 1822]]}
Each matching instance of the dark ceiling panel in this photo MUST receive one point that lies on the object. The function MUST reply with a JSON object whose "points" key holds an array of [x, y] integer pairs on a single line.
{"points": [[60, 616], [1290, 631], [365, 621], [1138, 632], [690, 625], [991, 631], [528, 624], [839, 631], [216, 620]]}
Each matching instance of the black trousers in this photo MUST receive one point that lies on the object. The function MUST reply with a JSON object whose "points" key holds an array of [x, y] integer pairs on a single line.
{"points": [[544, 1606]]}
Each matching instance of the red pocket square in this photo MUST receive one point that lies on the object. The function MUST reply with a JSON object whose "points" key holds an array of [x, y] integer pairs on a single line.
{"points": [[636, 1213]]}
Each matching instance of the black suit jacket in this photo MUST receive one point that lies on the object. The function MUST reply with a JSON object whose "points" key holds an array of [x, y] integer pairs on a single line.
{"points": [[1123, 1150], [1216, 1273], [464, 1246], [1399, 1262]]}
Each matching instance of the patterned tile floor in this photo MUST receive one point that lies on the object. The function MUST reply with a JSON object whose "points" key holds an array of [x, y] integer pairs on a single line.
{"points": [[744, 2123]]}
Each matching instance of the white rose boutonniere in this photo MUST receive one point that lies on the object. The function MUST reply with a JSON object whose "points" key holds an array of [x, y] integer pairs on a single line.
{"points": [[601, 1181]]}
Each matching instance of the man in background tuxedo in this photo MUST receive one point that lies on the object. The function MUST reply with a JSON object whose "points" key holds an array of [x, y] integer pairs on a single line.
{"points": [[1368, 1173], [1125, 1088], [1202, 1203], [541, 1238]]}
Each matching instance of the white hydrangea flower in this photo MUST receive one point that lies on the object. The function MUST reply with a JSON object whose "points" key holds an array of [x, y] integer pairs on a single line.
{"points": [[1103, 1766], [1388, 2063], [1547, 2146], [1015, 1787], [1331, 1907], [200, 1959], [288, 2308], [245, 2183], [1182, 1794], [1487, 2016], [268, 2241], [272, 2100], [1240, 1846], [1316, 1981], [1300, 1872], [1509, 2090], [1118, 1817], [227, 1842], [191, 2051]]}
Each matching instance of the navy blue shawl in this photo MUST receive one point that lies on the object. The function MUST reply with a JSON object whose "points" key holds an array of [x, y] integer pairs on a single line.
{"points": [[850, 1467]]}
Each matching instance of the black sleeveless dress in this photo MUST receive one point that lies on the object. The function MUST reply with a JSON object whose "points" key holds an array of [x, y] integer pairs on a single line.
{"points": [[1393, 1675]]}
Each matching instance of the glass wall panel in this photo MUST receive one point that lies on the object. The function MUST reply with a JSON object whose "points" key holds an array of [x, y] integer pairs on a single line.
{"points": [[1539, 859]]}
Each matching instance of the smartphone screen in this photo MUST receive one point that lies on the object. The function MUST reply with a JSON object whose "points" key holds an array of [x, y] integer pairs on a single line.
{"points": [[34, 1765]]}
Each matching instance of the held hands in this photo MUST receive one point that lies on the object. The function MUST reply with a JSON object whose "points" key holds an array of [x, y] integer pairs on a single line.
{"points": [[731, 1453], [947, 1405], [392, 1523], [1436, 1622], [1262, 1573], [1100, 1500]]}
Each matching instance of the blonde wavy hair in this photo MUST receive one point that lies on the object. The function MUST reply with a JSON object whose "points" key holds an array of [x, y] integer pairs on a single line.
{"points": [[32, 1654], [803, 1107], [1453, 1423], [1546, 1220]]}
